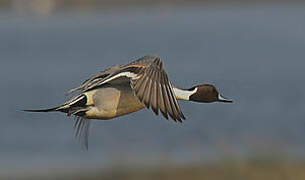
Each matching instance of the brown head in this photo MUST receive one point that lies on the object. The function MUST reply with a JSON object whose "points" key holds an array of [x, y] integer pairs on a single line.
{"points": [[207, 93]]}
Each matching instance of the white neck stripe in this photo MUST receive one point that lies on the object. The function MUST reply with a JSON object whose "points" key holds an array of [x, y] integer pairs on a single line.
{"points": [[183, 94]]}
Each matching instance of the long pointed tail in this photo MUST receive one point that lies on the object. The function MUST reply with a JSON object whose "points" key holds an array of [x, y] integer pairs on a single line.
{"points": [[42, 110], [72, 106]]}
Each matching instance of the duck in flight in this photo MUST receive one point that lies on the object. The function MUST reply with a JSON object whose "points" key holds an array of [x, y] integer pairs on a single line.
{"points": [[124, 89]]}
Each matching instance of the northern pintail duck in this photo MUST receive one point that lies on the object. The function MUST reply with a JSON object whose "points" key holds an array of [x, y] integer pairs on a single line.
{"points": [[123, 89]]}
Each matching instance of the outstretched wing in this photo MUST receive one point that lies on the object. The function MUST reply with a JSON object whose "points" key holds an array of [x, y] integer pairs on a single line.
{"points": [[153, 88]]}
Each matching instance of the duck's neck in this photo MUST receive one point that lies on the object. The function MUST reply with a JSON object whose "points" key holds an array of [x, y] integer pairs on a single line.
{"points": [[184, 94]]}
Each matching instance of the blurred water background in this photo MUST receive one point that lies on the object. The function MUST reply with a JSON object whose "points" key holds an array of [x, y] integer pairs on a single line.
{"points": [[253, 53]]}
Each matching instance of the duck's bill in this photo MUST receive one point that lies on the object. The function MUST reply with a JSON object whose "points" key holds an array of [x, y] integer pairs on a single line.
{"points": [[223, 99]]}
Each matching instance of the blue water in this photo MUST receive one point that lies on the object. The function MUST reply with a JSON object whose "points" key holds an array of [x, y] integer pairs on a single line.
{"points": [[254, 55]]}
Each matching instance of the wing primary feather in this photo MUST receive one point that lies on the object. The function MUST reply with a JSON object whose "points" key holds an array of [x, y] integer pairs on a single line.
{"points": [[160, 97], [170, 96], [164, 110], [171, 104], [181, 115], [78, 126], [158, 62], [154, 93], [143, 85], [82, 127], [146, 98], [166, 98], [152, 96], [174, 103], [77, 120], [162, 100], [147, 94]]}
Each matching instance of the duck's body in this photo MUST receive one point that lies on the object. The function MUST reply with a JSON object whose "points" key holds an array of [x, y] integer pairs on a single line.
{"points": [[124, 89], [112, 100]]}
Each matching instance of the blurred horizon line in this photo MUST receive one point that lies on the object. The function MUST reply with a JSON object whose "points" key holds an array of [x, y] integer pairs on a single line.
{"points": [[47, 7]]}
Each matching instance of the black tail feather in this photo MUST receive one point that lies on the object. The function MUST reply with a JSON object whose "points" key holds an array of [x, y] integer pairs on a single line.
{"points": [[73, 106], [41, 110]]}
